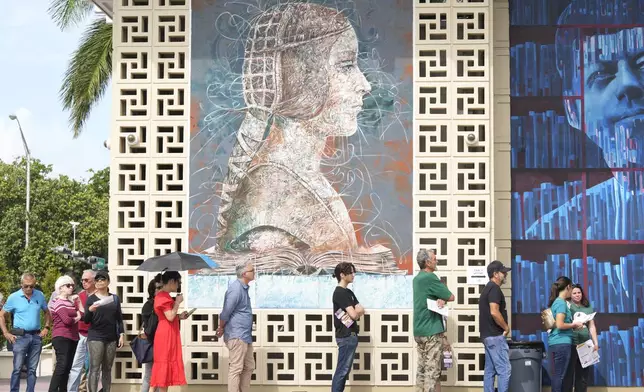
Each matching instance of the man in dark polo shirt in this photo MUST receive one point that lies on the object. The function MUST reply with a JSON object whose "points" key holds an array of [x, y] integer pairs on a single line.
{"points": [[26, 335], [493, 327]]}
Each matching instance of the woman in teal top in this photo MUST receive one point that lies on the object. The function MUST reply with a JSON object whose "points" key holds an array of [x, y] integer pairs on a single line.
{"points": [[560, 337], [576, 375]]}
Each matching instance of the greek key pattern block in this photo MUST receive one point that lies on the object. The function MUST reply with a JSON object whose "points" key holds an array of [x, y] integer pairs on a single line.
{"points": [[453, 188], [453, 160], [149, 163]]}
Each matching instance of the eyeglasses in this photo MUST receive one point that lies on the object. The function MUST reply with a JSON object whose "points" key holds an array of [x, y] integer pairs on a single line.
{"points": [[86, 280], [28, 286], [69, 286], [100, 279]]}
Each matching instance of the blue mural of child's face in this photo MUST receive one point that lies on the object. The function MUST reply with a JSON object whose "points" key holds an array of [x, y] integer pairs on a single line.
{"points": [[614, 95]]}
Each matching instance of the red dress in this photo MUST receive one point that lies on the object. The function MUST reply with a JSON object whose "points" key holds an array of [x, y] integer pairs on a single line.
{"points": [[167, 368]]}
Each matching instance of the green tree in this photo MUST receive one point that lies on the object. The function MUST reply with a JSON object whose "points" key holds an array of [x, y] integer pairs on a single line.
{"points": [[55, 201], [90, 68]]}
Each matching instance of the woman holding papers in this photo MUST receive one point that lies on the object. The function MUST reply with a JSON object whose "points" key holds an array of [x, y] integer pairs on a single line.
{"points": [[577, 375], [106, 332], [167, 367], [560, 338]]}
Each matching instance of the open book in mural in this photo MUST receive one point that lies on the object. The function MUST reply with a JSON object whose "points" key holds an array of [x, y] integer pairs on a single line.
{"points": [[306, 151]]}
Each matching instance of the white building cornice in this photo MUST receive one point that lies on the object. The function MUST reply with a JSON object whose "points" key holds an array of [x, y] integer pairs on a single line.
{"points": [[105, 7]]}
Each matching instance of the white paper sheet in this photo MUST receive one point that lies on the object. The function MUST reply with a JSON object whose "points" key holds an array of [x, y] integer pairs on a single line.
{"points": [[433, 306], [104, 301], [583, 317], [587, 354]]}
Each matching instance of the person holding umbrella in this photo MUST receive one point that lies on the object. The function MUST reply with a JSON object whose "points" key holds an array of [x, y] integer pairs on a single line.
{"points": [[167, 366]]}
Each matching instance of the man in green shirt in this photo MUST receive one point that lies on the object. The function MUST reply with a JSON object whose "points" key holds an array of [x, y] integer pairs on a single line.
{"points": [[429, 330]]}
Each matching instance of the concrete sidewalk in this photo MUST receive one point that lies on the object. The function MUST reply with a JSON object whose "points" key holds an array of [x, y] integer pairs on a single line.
{"points": [[42, 384]]}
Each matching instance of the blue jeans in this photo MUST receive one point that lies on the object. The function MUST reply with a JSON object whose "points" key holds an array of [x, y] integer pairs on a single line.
{"points": [[346, 352], [497, 363], [560, 359], [80, 357], [27, 348]]}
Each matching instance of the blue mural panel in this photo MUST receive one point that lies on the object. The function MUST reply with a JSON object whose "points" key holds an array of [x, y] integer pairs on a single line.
{"points": [[577, 86]]}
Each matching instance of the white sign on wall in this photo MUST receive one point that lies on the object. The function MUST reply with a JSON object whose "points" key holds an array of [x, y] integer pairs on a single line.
{"points": [[477, 275]]}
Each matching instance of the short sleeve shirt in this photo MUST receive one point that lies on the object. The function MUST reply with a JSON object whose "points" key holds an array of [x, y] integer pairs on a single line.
{"points": [[583, 334], [427, 286], [558, 336], [487, 326], [342, 299], [26, 312]]}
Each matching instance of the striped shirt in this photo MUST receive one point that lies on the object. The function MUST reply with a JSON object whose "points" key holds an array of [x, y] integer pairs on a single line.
{"points": [[63, 313]]}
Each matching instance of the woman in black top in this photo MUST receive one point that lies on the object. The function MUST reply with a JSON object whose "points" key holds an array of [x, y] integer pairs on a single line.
{"points": [[146, 312], [106, 332]]}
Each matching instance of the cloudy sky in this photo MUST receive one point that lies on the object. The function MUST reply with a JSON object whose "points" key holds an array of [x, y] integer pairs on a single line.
{"points": [[33, 61]]}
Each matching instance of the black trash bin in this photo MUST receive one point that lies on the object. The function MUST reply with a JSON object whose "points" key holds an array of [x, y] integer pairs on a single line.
{"points": [[525, 360]]}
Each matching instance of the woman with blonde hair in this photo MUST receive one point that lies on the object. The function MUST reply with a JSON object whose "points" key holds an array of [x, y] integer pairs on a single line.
{"points": [[65, 316]]}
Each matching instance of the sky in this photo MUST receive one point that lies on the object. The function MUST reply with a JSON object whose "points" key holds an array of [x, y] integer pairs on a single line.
{"points": [[33, 58]]}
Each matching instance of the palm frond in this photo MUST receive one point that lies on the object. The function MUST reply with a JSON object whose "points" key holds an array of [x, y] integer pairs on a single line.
{"points": [[88, 74], [67, 13]]}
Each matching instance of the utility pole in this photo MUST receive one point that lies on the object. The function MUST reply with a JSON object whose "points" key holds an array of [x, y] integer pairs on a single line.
{"points": [[28, 156], [74, 225]]}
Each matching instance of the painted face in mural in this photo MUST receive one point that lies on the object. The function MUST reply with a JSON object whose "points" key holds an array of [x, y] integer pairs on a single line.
{"points": [[614, 95], [346, 87]]}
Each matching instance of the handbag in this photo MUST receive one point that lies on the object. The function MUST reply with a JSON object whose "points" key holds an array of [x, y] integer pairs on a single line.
{"points": [[547, 320], [142, 350]]}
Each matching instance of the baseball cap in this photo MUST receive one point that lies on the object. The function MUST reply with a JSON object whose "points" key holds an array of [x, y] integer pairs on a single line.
{"points": [[496, 266], [102, 274]]}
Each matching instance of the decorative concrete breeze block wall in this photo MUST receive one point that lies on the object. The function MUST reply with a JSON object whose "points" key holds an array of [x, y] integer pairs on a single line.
{"points": [[461, 154]]}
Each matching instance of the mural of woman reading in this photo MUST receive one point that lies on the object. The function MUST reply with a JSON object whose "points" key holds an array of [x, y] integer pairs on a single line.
{"points": [[301, 86]]}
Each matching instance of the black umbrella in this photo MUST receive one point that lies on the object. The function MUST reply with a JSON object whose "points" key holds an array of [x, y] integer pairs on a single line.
{"points": [[177, 261]]}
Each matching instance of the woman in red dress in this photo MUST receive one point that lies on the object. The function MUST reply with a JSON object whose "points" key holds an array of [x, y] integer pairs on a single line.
{"points": [[167, 368]]}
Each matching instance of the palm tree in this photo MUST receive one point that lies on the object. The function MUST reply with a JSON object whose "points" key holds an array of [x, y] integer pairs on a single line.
{"points": [[90, 68]]}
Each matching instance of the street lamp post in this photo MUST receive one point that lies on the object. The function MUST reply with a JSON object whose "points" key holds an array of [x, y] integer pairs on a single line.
{"points": [[28, 156], [74, 226]]}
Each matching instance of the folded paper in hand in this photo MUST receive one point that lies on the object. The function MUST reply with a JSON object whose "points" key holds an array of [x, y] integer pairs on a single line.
{"points": [[583, 317], [104, 301], [433, 306], [587, 354]]}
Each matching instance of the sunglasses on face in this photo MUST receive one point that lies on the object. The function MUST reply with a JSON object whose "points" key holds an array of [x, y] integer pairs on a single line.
{"points": [[86, 280], [100, 279], [28, 286], [69, 286]]}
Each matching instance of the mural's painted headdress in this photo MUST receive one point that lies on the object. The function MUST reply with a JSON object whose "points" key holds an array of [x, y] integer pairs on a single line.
{"points": [[286, 50], [284, 74]]}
